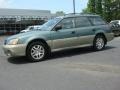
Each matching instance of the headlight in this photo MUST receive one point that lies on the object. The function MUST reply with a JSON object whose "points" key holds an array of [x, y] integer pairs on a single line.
{"points": [[13, 42]]}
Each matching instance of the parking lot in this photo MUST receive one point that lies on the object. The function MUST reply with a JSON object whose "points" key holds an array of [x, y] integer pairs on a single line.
{"points": [[75, 69]]}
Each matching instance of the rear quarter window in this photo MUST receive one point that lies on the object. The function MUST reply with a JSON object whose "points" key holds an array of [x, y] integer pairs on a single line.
{"points": [[97, 21]]}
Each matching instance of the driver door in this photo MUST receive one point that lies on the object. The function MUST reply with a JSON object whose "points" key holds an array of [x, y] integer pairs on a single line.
{"points": [[66, 36]]}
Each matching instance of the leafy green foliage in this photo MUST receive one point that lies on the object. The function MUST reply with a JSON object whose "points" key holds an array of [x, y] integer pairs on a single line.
{"points": [[108, 9], [60, 13]]}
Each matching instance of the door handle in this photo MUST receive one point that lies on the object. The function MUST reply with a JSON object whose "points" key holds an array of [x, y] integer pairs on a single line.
{"points": [[73, 32], [94, 30]]}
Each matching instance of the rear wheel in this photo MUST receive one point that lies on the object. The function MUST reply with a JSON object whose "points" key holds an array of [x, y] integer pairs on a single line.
{"points": [[36, 51], [99, 42]]}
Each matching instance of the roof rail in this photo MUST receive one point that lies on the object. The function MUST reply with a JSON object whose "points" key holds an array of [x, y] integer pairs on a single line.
{"points": [[89, 13], [73, 14], [80, 14]]}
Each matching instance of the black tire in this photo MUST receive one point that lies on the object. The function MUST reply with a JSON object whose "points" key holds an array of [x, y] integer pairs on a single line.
{"points": [[95, 43], [30, 48]]}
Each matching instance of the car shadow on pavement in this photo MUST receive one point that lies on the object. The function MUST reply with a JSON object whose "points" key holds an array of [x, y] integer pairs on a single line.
{"points": [[18, 60], [59, 54], [75, 52]]}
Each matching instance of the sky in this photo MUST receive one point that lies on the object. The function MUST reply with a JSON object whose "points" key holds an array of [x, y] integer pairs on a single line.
{"points": [[52, 5]]}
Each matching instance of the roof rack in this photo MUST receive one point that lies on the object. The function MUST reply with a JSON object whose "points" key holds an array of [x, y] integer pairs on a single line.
{"points": [[80, 14], [73, 14], [88, 13]]}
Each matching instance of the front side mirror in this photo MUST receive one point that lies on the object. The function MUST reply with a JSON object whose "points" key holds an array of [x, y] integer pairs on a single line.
{"points": [[58, 27]]}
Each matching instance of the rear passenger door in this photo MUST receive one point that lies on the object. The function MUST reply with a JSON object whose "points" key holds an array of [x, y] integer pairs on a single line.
{"points": [[99, 24], [85, 30]]}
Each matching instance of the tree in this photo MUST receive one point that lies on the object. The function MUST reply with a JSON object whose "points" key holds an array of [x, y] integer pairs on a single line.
{"points": [[94, 6], [60, 13], [98, 8], [91, 6], [108, 9], [107, 14], [115, 9], [85, 10]]}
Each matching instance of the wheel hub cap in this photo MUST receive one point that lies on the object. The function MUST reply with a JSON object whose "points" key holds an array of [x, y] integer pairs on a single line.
{"points": [[37, 52], [100, 43]]}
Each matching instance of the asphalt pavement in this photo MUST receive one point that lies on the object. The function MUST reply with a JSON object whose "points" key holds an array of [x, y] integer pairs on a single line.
{"points": [[75, 69]]}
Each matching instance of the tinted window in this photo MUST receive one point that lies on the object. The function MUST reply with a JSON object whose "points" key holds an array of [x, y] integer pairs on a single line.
{"points": [[97, 21], [82, 22], [67, 23]]}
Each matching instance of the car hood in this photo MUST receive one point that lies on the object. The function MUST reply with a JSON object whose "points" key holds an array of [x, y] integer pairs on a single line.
{"points": [[27, 34]]}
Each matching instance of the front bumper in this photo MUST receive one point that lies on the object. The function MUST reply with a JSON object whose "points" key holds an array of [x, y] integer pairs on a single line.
{"points": [[14, 50]]}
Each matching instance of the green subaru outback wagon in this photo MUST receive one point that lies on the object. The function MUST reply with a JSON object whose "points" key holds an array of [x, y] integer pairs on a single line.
{"points": [[69, 31]]}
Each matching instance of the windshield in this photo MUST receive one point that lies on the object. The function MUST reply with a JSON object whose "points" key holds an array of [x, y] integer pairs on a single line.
{"points": [[50, 24]]}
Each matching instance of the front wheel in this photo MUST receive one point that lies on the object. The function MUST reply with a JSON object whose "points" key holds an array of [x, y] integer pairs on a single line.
{"points": [[36, 51], [99, 43]]}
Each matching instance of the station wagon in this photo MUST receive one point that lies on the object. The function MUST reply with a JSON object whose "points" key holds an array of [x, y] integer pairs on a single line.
{"points": [[65, 32]]}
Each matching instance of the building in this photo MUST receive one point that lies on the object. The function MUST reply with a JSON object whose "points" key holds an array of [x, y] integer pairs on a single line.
{"points": [[14, 20]]}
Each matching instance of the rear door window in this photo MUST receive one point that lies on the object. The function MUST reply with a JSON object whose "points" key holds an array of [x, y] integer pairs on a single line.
{"points": [[82, 22], [97, 21]]}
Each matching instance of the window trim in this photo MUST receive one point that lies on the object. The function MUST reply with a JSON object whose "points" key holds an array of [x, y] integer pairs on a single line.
{"points": [[62, 20], [96, 17], [86, 18]]}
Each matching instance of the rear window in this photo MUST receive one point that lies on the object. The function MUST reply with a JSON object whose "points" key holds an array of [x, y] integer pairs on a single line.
{"points": [[97, 21]]}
